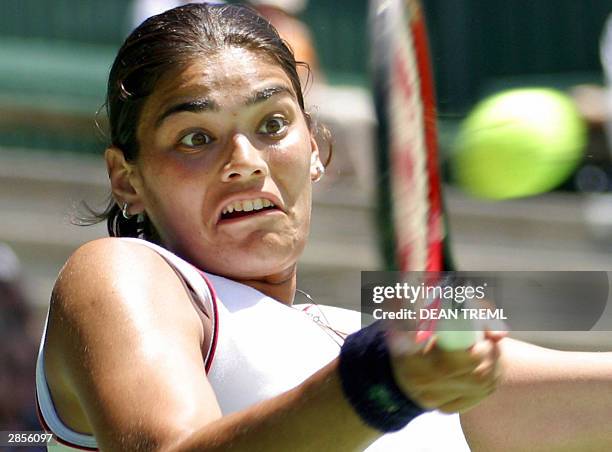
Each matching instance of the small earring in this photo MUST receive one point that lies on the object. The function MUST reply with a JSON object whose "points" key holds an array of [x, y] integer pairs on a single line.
{"points": [[124, 211], [320, 172]]}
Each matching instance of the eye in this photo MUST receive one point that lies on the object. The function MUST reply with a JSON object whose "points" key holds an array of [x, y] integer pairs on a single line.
{"points": [[196, 139], [276, 125]]}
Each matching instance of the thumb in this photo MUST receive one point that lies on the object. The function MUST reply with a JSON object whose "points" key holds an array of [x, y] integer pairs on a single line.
{"points": [[495, 336]]}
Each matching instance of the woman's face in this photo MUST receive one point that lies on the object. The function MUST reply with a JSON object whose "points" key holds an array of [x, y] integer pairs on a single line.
{"points": [[225, 166]]}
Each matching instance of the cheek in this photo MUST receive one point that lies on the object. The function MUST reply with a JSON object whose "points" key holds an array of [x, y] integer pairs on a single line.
{"points": [[173, 187], [167, 165], [290, 162]]}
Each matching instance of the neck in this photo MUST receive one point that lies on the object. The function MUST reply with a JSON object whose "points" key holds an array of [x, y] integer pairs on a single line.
{"points": [[281, 286]]}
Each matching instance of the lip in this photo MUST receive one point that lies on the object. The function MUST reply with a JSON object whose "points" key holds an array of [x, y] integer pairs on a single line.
{"points": [[259, 214], [245, 196]]}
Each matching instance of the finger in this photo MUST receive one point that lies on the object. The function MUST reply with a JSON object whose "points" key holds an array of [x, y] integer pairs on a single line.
{"points": [[491, 364], [485, 350], [456, 405], [460, 405], [451, 363], [465, 402], [434, 399], [487, 371], [439, 365], [468, 384], [478, 367], [482, 348], [495, 336]]}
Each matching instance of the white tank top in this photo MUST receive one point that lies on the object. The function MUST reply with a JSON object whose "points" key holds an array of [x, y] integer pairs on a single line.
{"points": [[259, 349]]}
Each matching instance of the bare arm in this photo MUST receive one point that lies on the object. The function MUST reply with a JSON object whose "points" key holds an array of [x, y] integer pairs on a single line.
{"points": [[130, 345], [547, 400]]}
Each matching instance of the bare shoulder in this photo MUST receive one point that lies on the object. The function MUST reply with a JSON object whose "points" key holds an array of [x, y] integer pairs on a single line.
{"points": [[109, 275], [120, 313], [111, 283], [96, 263]]}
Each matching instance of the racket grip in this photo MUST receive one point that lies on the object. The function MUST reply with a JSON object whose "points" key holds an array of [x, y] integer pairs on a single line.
{"points": [[456, 334]]}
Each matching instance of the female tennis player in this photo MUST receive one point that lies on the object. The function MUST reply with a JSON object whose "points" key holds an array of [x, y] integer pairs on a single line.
{"points": [[186, 338]]}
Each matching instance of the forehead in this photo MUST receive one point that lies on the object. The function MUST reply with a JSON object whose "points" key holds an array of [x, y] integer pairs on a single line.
{"points": [[227, 78]]}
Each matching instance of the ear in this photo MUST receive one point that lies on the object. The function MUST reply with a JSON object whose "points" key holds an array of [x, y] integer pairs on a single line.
{"points": [[125, 180], [315, 160]]}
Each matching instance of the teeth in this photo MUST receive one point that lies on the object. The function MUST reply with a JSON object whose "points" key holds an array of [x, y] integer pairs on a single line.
{"points": [[248, 205]]}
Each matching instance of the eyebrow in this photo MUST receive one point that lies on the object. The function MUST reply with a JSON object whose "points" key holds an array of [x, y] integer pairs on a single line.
{"points": [[267, 93], [205, 104], [191, 106]]}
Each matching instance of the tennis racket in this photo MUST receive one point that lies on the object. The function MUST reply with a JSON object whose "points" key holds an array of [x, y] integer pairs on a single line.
{"points": [[410, 214]]}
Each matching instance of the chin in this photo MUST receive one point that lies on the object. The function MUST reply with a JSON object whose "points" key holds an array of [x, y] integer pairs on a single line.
{"points": [[252, 268], [261, 262]]}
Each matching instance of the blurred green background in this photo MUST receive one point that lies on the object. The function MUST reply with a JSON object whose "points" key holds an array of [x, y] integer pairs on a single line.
{"points": [[55, 55]]}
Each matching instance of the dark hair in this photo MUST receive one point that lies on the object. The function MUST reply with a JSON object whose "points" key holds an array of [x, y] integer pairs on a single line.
{"points": [[166, 42]]}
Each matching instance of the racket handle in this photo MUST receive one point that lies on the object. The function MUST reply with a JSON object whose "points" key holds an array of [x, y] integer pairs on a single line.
{"points": [[456, 334]]}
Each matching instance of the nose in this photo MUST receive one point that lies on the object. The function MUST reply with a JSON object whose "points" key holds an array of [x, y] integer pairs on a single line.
{"points": [[245, 161]]}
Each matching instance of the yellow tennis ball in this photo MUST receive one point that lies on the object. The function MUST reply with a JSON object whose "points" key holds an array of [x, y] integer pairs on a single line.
{"points": [[518, 143]]}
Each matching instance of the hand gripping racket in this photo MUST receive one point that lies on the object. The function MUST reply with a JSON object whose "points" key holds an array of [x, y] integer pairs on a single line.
{"points": [[410, 214]]}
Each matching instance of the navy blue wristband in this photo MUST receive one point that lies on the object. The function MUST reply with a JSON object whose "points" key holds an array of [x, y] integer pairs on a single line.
{"points": [[368, 383]]}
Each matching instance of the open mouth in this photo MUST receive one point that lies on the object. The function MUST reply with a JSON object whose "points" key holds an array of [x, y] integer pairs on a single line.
{"points": [[247, 208]]}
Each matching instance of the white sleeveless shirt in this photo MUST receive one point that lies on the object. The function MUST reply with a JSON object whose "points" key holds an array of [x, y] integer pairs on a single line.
{"points": [[261, 348]]}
